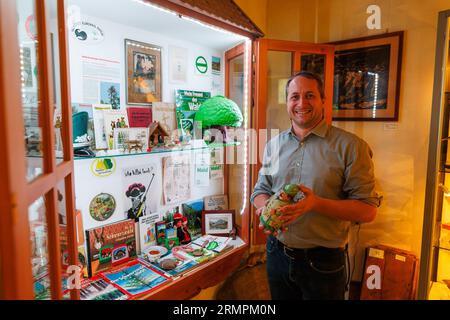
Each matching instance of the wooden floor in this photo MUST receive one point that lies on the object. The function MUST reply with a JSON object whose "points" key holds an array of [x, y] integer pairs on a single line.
{"points": [[249, 283]]}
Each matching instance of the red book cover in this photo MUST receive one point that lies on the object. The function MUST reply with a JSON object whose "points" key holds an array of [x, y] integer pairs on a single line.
{"points": [[110, 245], [139, 117]]}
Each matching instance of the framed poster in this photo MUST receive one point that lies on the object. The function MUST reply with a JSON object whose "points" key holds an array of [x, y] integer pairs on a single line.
{"points": [[143, 72], [217, 222], [367, 78]]}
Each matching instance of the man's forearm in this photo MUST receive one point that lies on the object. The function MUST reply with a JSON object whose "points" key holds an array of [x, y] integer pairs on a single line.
{"points": [[349, 210], [260, 200]]}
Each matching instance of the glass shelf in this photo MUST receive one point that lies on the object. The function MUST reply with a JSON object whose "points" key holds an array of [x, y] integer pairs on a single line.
{"points": [[117, 153]]}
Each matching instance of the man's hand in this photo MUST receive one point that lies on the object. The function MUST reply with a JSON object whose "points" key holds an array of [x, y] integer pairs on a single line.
{"points": [[291, 212]]}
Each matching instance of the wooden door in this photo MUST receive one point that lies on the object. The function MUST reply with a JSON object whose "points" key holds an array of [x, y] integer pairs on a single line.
{"points": [[276, 61], [36, 154]]}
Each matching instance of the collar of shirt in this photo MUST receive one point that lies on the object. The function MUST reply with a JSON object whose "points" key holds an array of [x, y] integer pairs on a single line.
{"points": [[320, 130]]}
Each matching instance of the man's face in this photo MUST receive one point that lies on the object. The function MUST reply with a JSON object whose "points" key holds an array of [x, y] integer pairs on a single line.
{"points": [[304, 104]]}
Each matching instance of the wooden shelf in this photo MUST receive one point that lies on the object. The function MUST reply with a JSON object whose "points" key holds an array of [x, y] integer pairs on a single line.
{"points": [[204, 276]]}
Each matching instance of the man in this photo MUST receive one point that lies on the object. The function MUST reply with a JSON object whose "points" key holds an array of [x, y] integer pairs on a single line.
{"points": [[335, 170]]}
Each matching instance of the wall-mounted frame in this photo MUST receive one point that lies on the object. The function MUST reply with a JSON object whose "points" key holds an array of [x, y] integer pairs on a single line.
{"points": [[143, 73], [367, 78], [217, 222]]}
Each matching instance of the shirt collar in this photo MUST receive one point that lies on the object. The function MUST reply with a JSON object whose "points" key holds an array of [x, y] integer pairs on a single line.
{"points": [[320, 130]]}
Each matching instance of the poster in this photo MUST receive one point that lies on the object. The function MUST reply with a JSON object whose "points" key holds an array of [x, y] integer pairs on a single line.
{"points": [[140, 185], [101, 78], [202, 169], [215, 66], [176, 179], [178, 64]]}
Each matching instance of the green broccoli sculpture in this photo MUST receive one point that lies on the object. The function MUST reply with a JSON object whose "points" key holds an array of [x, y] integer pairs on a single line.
{"points": [[219, 113]]}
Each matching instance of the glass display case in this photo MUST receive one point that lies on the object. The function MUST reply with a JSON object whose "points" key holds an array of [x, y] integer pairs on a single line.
{"points": [[434, 280]]}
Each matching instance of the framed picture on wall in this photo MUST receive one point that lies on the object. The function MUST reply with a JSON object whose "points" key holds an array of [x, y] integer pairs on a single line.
{"points": [[217, 222], [367, 78], [143, 72]]}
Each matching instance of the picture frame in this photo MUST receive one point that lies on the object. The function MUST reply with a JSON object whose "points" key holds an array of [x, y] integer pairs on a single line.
{"points": [[367, 77], [143, 73], [218, 222], [130, 139]]}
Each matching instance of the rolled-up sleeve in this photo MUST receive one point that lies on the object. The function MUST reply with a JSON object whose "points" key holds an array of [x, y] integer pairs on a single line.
{"points": [[359, 174], [264, 183]]}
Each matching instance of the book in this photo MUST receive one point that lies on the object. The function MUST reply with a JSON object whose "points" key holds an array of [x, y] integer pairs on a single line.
{"points": [[114, 119], [214, 243], [139, 117], [182, 265], [196, 253], [135, 278], [98, 288], [110, 245], [147, 231], [98, 110]]}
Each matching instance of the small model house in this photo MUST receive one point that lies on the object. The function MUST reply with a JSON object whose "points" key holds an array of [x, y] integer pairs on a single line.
{"points": [[156, 134]]}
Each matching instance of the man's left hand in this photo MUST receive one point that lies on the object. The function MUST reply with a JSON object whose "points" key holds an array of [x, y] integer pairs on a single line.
{"points": [[291, 212]]}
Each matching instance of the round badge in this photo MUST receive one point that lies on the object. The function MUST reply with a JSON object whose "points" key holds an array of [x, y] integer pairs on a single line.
{"points": [[102, 206]]}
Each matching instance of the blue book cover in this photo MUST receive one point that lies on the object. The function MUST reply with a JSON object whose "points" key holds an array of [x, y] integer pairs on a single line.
{"points": [[135, 278]]}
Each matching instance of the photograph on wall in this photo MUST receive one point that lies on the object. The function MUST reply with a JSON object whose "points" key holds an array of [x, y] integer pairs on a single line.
{"points": [[367, 75], [193, 211], [143, 72], [140, 190], [215, 65], [176, 179], [110, 94]]}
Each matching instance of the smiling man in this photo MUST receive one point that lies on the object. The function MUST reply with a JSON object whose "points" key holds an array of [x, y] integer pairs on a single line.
{"points": [[335, 172]]}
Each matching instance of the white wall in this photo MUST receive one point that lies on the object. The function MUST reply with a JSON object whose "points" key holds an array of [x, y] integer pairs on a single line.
{"points": [[113, 48]]}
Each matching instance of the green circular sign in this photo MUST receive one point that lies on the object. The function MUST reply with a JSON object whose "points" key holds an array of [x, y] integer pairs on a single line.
{"points": [[201, 65]]}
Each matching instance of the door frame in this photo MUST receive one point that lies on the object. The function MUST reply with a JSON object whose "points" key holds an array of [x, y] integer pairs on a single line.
{"points": [[263, 46]]}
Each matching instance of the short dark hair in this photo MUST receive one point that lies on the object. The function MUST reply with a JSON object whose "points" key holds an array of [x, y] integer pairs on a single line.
{"points": [[309, 75]]}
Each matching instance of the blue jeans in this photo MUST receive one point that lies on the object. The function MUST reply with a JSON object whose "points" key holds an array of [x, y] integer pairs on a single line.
{"points": [[311, 274]]}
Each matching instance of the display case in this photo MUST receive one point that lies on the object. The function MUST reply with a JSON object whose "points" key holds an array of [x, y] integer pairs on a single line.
{"points": [[434, 280]]}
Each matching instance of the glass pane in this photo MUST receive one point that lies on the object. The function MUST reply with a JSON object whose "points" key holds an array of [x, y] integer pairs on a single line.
{"points": [[29, 60], [54, 41], [64, 248], [279, 71], [314, 63], [39, 249], [236, 78], [236, 171]]}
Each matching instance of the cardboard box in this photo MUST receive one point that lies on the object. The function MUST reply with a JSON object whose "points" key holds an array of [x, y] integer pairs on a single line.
{"points": [[389, 274]]}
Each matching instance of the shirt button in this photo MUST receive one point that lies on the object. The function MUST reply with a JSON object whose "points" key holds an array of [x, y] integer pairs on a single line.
{"points": [[298, 164], [301, 144]]}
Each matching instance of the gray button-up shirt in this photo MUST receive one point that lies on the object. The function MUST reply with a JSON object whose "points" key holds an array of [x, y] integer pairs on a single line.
{"points": [[334, 163]]}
